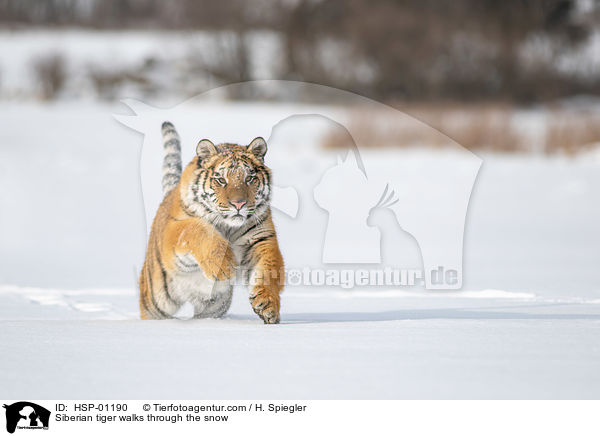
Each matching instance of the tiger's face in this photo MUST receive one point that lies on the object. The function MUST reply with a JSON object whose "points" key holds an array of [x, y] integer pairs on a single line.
{"points": [[231, 184]]}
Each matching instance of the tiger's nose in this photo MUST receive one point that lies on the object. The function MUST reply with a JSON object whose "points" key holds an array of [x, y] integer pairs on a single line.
{"points": [[238, 204]]}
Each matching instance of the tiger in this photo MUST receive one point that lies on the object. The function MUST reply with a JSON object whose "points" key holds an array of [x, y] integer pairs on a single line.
{"points": [[213, 222]]}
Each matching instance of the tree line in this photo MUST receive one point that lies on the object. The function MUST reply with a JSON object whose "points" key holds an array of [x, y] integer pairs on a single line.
{"points": [[413, 50]]}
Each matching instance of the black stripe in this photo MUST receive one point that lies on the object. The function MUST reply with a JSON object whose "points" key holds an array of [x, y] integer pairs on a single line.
{"points": [[249, 248], [143, 296], [204, 182], [172, 158], [151, 309], [196, 186], [187, 265], [176, 163], [158, 309], [172, 142], [172, 169], [164, 276], [260, 222], [184, 208], [264, 233], [173, 155], [149, 282]]}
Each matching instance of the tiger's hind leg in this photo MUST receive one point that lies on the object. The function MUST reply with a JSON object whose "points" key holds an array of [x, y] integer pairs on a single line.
{"points": [[155, 311], [217, 304], [156, 302]]}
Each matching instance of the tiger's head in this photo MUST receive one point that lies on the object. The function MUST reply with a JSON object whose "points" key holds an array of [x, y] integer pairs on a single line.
{"points": [[228, 183]]}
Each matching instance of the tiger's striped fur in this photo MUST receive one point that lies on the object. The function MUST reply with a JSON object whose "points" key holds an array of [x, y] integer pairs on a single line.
{"points": [[214, 218], [171, 168]]}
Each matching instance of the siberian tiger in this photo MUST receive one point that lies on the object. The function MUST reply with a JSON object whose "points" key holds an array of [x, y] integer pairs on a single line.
{"points": [[214, 218]]}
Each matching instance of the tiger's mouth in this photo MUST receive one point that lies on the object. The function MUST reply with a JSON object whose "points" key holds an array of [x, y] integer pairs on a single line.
{"points": [[236, 217], [235, 220]]}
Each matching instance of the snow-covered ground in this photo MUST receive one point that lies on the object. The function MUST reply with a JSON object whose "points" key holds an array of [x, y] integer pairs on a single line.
{"points": [[88, 344], [525, 325]]}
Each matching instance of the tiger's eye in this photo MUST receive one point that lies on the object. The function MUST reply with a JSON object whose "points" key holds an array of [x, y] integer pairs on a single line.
{"points": [[221, 181]]}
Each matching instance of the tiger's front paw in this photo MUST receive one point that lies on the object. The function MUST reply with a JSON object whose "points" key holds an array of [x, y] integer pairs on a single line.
{"points": [[265, 305], [220, 266]]}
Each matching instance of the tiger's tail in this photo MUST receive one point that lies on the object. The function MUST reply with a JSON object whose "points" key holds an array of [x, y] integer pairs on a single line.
{"points": [[171, 169]]}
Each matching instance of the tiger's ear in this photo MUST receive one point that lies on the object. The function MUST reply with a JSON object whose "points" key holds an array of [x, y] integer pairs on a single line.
{"points": [[258, 147], [205, 148]]}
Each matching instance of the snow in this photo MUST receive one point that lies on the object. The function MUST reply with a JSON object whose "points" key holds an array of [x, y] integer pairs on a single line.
{"points": [[525, 325], [330, 346]]}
